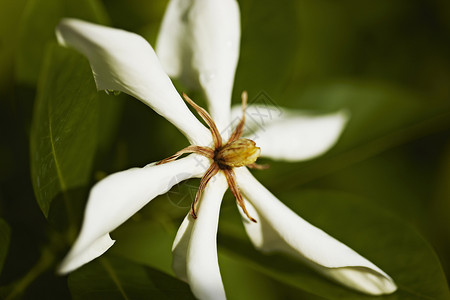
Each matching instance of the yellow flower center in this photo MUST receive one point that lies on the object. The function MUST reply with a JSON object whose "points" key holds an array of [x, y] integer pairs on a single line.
{"points": [[239, 153]]}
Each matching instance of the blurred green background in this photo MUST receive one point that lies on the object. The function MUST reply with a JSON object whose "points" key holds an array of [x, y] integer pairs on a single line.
{"points": [[384, 189]]}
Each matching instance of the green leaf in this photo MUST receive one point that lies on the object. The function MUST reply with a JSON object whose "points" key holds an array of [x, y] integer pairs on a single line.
{"points": [[389, 243], [114, 278], [64, 130], [243, 282], [5, 233], [38, 29], [145, 242]]}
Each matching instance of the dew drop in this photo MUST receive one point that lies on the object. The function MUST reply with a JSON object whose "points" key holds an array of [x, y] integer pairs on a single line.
{"points": [[207, 76]]}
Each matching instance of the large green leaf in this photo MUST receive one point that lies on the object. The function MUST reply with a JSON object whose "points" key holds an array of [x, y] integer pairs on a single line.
{"points": [[4, 241], [114, 278], [243, 282], [146, 242], [64, 130], [37, 29], [395, 247]]}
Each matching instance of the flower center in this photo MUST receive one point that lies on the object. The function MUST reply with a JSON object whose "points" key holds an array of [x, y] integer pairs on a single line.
{"points": [[239, 153]]}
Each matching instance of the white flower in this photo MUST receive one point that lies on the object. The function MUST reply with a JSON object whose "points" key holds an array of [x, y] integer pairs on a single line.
{"points": [[199, 43]]}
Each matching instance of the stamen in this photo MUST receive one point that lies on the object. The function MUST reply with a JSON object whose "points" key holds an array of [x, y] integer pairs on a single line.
{"points": [[212, 170], [240, 127], [258, 166], [231, 179], [208, 152], [217, 138]]}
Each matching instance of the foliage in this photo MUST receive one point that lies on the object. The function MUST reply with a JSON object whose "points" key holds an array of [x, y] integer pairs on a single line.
{"points": [[383, 189]]}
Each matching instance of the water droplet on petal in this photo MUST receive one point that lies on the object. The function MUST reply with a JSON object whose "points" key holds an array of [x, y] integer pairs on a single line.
{"points": [[207, 76]]}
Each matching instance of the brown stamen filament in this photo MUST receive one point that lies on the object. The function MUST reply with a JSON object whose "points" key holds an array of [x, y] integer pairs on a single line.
{"points": [[258, 166], [240, 127], [217, 138], [212, 170], [231, 179], [205, 151]]}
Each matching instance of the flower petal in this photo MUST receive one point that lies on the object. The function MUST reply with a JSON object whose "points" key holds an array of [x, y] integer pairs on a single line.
{"points": [[180, 246], [280, 229], [195, 246], [124, 61], [117, 197], [199, 42], [292, 135]]}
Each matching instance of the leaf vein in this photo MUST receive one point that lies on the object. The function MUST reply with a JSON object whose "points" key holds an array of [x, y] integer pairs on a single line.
{"points": [[109, 269], [55, 158]]}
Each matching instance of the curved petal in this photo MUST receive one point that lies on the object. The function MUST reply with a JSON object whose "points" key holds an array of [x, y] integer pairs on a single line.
{"points": [[199, 41], [279, 228], [195, 246], [117, 197], [292, 135], [258, 116], [180, 246], [124, 61]]}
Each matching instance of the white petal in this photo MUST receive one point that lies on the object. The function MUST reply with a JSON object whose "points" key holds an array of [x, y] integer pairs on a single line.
{"points": [[195, 246], [292, 135], [260, 113], [180, 246], [117, 197], [126, 62], [280, 229], [199, 42]]}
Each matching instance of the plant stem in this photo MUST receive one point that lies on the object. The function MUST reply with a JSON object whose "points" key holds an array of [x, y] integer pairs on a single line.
{"points": [[43, 264]]}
